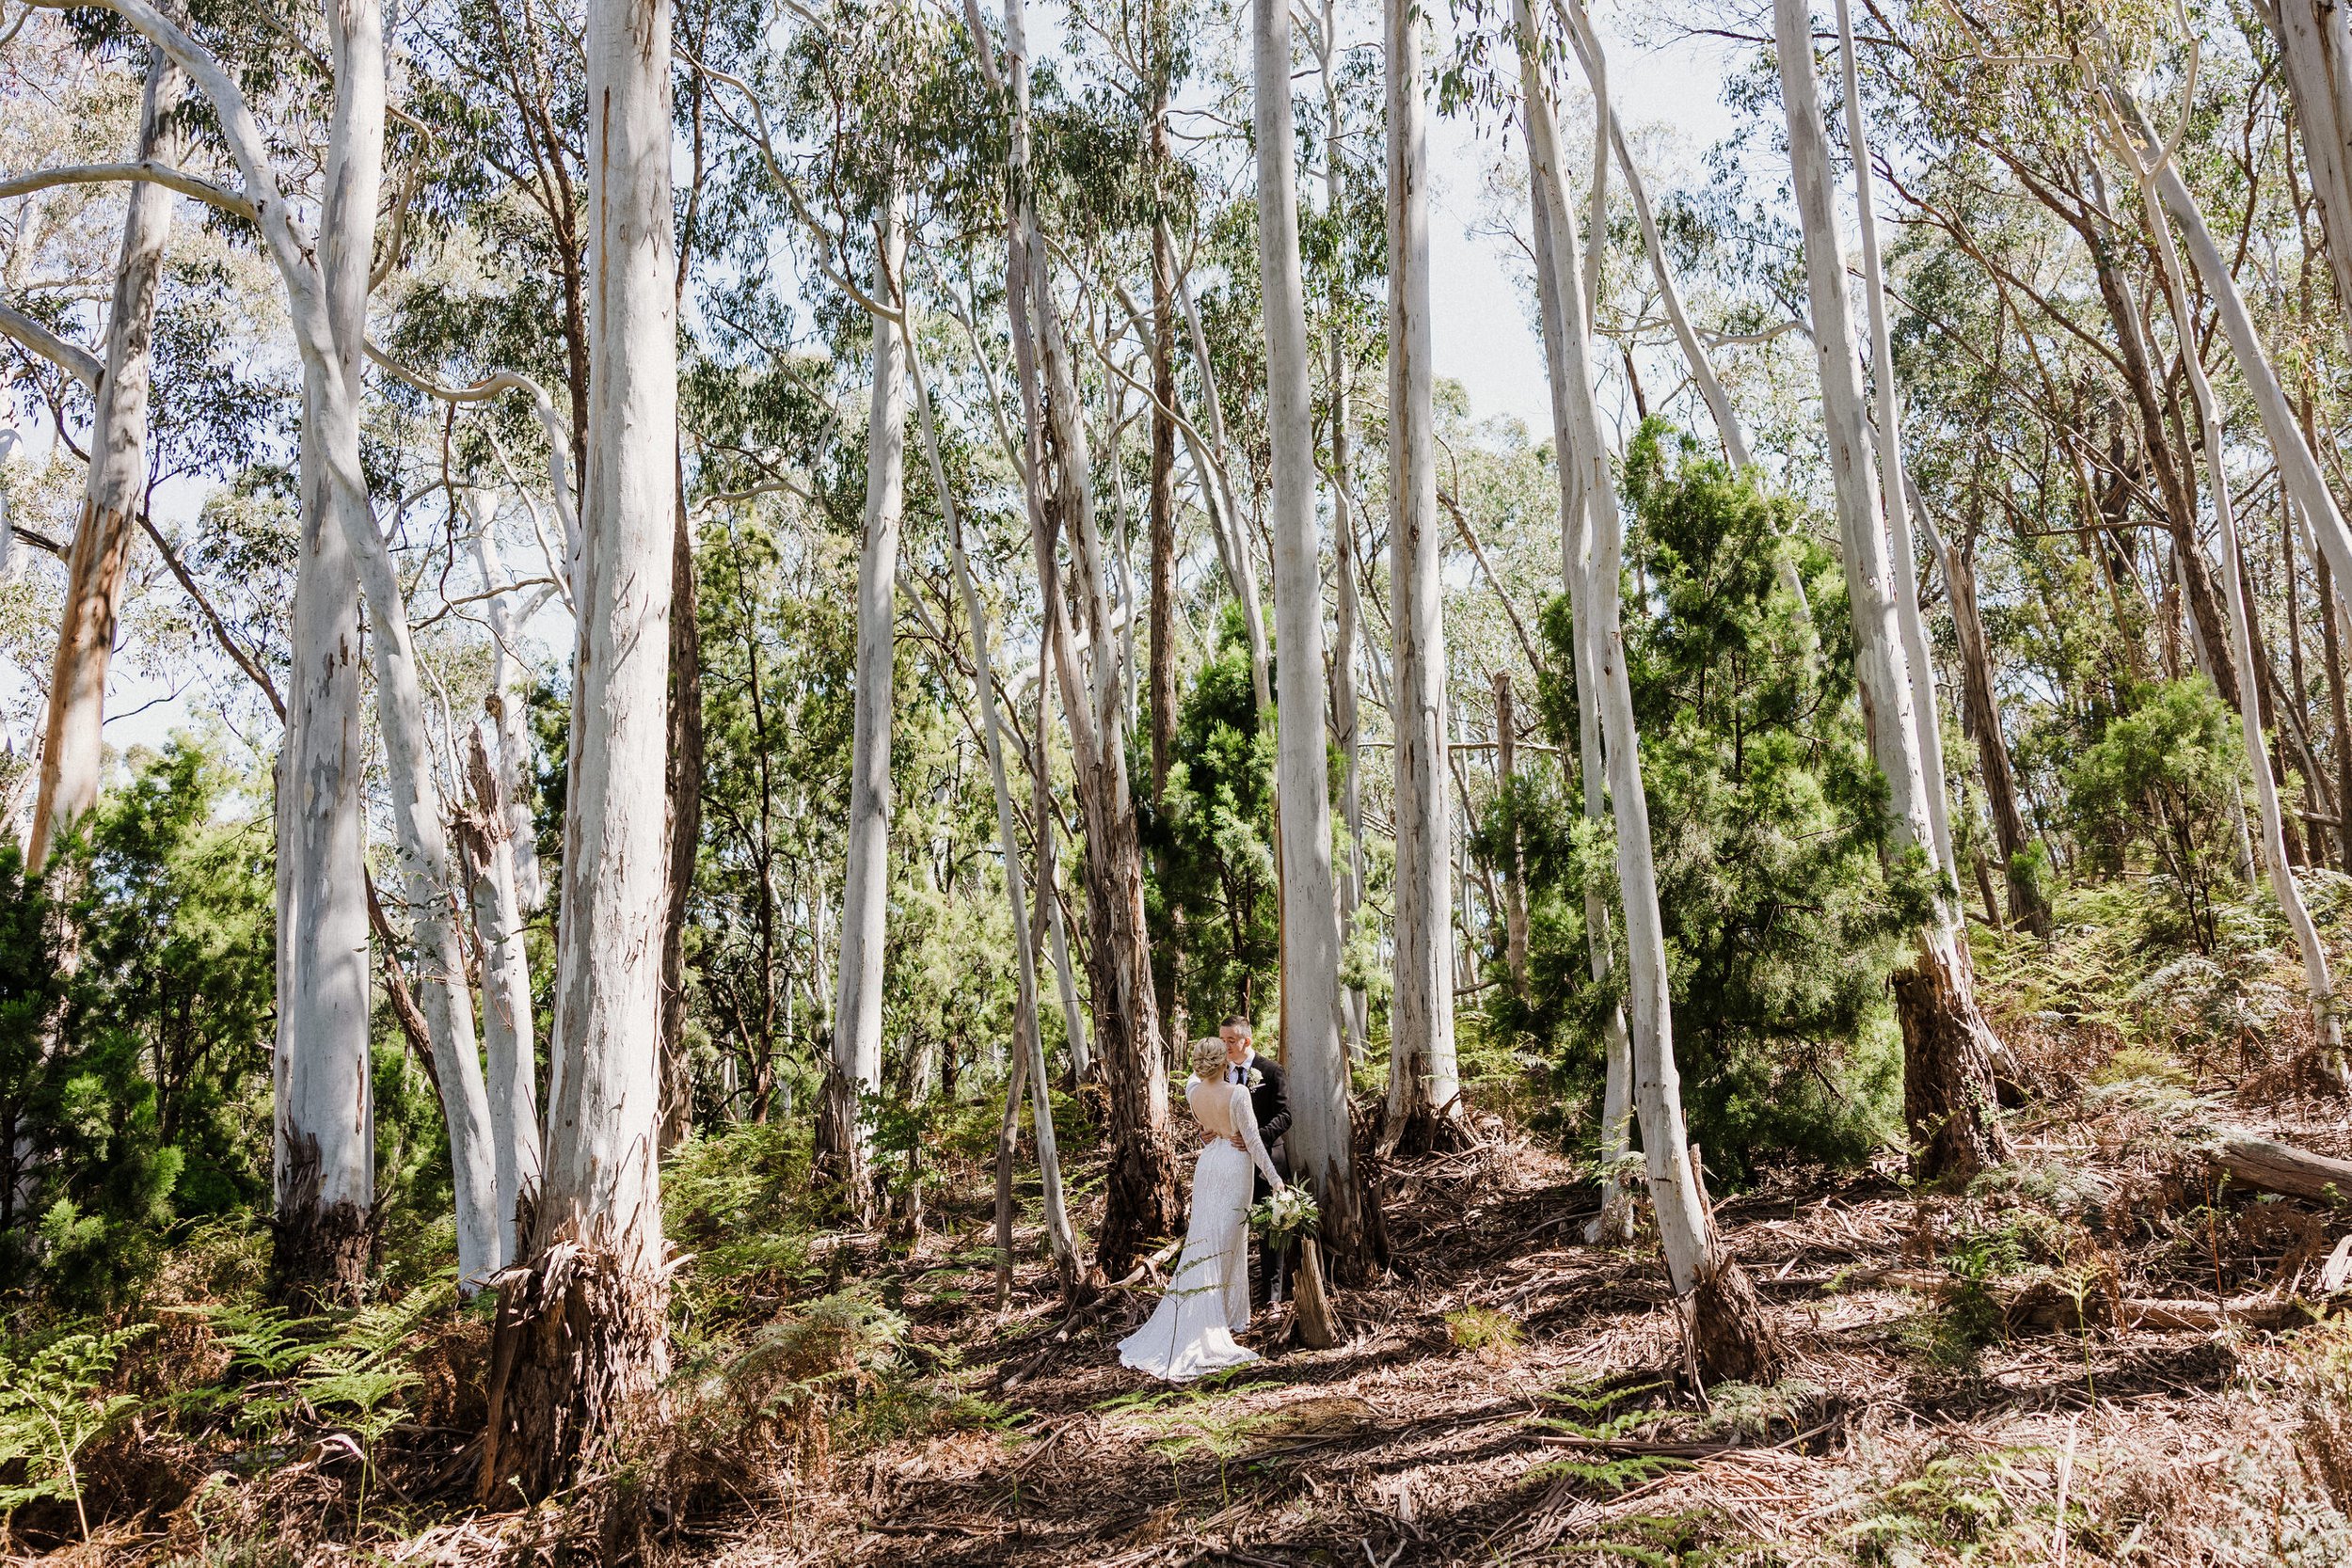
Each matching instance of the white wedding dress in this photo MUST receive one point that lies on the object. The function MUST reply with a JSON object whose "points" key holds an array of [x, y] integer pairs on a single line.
{"points": [[1191, 1331]]}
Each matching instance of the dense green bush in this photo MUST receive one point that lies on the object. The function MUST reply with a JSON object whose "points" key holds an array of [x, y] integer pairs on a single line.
{"points": [[1215, 920], [1765, 816], [137, 1076], [2157, 789]]}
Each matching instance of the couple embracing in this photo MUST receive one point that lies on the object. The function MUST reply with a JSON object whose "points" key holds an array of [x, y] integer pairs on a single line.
{"points": [[1238, 1096]]}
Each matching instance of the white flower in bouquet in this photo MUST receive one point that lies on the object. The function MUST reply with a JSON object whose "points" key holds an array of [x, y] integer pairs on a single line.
{"points": [[1289, 1213]]}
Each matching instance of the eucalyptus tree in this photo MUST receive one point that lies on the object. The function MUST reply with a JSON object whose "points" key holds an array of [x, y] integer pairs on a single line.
{"points": [[1057, 472], [1424, 1081], [1728, 1327], [114, 488], [1615, 1220], [2317, 975], [1894, 500], [1949, 1099], [328, 279], [855, 1073], [1321, 1138], [2315, 57], [583, 1338], [1028, 1068], [2168, 201]]}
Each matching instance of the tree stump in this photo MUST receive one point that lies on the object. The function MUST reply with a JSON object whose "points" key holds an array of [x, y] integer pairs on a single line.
{"points": [[1318, 1329]]}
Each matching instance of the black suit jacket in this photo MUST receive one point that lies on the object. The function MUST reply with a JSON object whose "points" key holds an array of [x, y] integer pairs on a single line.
{"points": [[1270, 1100]]}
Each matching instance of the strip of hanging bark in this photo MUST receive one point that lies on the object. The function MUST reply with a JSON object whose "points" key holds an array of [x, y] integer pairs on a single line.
{"points": [[686, 819], [403, 1001], [1478, 553]]}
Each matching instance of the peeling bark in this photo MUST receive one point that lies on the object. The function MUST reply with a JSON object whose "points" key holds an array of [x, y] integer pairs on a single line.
{"points": [[114, 490]]}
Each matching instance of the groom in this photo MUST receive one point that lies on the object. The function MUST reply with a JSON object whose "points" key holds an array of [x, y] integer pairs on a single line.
{"points": [[1269, 1098]]}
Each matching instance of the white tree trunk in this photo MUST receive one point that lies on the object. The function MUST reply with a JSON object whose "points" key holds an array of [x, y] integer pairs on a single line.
{"points": [[1322, 1140], [1424, 1081], [1904, 584], [322, 1065], [509, 1032], [114, 489], [2315, 972], [1225, 519], [509, 715], [1140, 1199], [355, 170], [1595, 60], [1880, 662], [2315, 57], [1347, 721], [327, 284], [1948, 1077], [323, 1158], [1733, 1338], [1029, 1042], [857, 1013], [1615, 1220], [598, 1254], [2297, 466], [1066, 984]]}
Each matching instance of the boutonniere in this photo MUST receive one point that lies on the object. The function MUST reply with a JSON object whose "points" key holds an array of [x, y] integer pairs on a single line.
{"points": [[1255, 1079]]}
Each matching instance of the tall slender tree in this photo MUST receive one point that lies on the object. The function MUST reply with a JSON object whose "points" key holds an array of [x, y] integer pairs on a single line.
{"points": [[583, 1337], [1948, 1098], [1423, 1080], [1141, 1204], [855, 1070], [1732, 1336], [114, 489]]}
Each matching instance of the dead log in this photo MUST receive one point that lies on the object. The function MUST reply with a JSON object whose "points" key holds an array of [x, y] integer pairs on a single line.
{"points": [[2246, 1311], [2276, 1167]]}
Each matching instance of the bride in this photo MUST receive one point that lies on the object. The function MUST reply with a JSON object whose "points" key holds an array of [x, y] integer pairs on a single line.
{"points": [[1191, 1332]]}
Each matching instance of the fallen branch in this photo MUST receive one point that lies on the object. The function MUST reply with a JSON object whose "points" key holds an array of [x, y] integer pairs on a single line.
{"points": [[2276, 1167]]}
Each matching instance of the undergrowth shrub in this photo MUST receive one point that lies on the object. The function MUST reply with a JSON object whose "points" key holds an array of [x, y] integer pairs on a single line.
{"points": [[54, 1400], [738, 1199], [2322, 1380]]}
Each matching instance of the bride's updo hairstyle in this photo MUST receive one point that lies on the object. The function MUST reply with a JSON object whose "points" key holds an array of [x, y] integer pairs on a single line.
{"points": [[1208, 1059]]}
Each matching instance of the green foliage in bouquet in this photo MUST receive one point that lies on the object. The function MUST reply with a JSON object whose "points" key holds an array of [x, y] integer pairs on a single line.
{"points": [[1286, 1216]]}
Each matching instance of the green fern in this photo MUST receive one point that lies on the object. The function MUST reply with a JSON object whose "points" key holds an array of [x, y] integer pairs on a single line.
{"points": [[51, 1409], [1592, 1419], [1610, 1475]]}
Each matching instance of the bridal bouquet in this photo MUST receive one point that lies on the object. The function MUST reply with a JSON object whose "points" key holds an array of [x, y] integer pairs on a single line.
{"points": [[1285, 1214]]}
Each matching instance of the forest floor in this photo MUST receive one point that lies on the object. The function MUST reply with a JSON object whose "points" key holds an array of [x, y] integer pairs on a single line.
{"points": [[1972, 1378], [2101, 1354]]}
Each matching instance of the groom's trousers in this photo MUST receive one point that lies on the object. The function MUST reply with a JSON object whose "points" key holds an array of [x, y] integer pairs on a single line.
{"points": [[1274, 1264]]}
